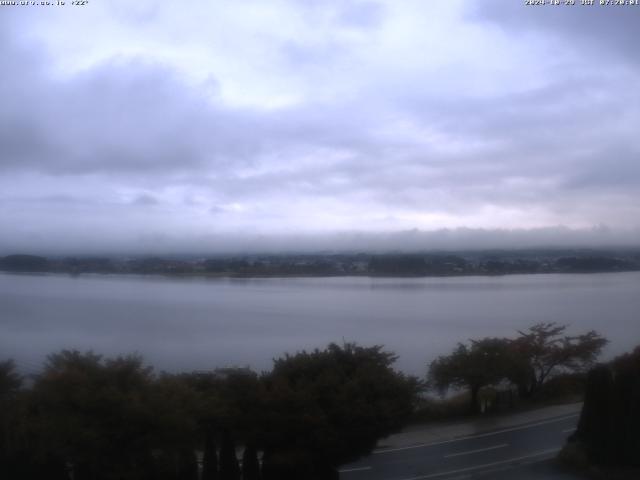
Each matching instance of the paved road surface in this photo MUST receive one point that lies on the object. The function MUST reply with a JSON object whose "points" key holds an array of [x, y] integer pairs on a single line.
{"points": [[518, 452]]}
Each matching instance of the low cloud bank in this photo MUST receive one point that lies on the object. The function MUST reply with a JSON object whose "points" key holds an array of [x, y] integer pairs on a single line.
{"points": [[400, 241]]}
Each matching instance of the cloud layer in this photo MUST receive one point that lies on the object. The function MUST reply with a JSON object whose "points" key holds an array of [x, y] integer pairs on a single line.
{"points": [[128, 126]]}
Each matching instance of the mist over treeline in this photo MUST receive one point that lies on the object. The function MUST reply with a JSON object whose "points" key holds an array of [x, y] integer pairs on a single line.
{"points": [[328, 264], [127, 242]]}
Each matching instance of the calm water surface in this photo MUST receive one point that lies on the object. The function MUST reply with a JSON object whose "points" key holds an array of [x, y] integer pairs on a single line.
{"points": [[184, 324]]}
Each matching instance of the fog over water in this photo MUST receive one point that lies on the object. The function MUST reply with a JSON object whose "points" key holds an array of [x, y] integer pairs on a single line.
{"points": [[185, 324]]}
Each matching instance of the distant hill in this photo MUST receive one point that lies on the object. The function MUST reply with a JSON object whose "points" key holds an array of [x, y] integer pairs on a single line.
{"points": [[24, 263]]}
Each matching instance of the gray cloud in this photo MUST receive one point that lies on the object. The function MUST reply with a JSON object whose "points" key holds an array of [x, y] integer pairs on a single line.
{"points": [[369, 141], [145, 200], [610, 30], [119, 118]]}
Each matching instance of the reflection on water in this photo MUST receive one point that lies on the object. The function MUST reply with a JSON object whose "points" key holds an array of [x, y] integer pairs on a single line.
{"points": [[202, 323]]}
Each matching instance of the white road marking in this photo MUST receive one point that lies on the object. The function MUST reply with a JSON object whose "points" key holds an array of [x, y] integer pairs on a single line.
{"points": [[471, 437], [357, 469], [485, 465], [567, 430], [469, 452]]}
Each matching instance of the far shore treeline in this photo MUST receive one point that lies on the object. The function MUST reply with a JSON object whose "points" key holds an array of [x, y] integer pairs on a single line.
{"points": [[484, 262], [88, 417]]}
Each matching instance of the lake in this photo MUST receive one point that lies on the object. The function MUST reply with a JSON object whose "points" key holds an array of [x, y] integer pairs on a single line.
{"points": [[185, 324]]}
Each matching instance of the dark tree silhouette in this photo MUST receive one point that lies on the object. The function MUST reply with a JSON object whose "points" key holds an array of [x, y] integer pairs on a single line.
{"points": [[210, 458], [98, 418], [250, 464], [10, 381], [229, 468], [609, 426], [188, 465], [483, 362], [330, 406], [544, 349]]}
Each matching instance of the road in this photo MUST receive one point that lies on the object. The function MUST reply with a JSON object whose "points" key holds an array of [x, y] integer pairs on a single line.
{"points": [[518, 452]]}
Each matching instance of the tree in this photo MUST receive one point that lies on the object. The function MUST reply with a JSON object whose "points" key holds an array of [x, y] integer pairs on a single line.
{"points": [[10, 381], [229, 468], [230, 407], [250, 464], [609, 426], [543, 350], [94, 414], [174, 405], [330, 406], [596, 419], [210, 458], [484, 362], [188, 464]]}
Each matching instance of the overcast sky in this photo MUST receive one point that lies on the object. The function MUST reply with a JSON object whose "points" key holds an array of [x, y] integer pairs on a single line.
{"points": [[150, 124]]}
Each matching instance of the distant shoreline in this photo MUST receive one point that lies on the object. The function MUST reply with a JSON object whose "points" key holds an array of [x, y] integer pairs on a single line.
{"points": [[235, 276], [390, 265]]}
